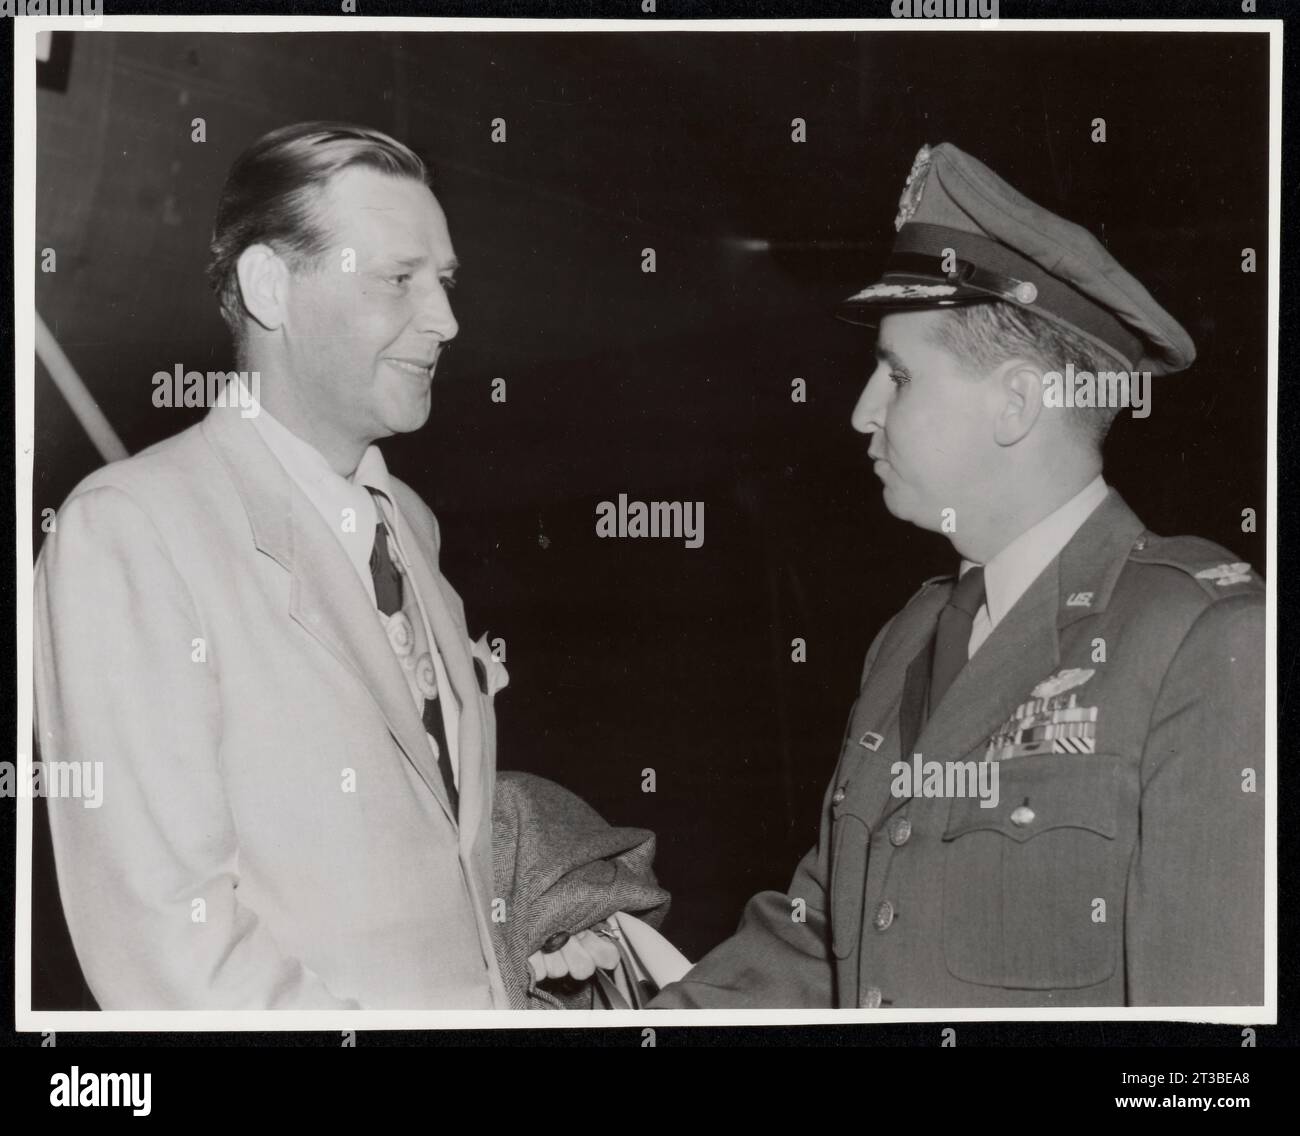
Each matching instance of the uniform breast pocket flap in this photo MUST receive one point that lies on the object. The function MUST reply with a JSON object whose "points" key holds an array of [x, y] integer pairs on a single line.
{"points": [[1033, 887]]}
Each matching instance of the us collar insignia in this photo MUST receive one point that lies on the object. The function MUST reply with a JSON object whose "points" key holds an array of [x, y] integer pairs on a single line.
{"points": [[1062, 681], [1225, 574], [913, 188]]}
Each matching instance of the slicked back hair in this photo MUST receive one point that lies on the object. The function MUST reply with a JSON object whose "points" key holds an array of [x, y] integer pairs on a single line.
{"points": [[273, 192]]}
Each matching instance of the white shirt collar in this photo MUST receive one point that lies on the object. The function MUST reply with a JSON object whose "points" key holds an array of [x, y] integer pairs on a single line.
{"points": [[1008, 575], [344, 503]]}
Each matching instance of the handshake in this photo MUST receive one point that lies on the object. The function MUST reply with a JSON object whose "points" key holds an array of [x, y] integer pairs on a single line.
{"points": [[581, 903]]}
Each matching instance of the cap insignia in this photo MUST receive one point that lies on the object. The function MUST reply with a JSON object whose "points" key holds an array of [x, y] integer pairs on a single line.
{"points": [[913, 188]]}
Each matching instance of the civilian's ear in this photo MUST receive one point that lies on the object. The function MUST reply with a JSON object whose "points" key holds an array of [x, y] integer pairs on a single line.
{"points": [[263, 284], [1020, 384]]}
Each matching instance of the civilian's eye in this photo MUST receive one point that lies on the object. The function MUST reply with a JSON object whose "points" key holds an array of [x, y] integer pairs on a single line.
{"points": [[400, 279], [448, 283], [898, 378]]}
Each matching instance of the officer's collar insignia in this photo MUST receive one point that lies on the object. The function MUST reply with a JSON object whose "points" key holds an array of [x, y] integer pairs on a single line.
{"points": [[1225, 574], [1062, 681], [913, 188], [903, 292]]}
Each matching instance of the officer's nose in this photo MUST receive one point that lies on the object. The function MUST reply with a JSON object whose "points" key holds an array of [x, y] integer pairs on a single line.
{"points": [[869, 414], [435, 316]]}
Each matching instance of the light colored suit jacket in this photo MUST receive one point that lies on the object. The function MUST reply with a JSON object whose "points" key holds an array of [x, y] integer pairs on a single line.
{"points": [[1129, 872], [274, 832]]}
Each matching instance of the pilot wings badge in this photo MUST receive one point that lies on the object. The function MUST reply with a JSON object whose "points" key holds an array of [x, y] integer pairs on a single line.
{"points": [[1052, 721], [1062, 681]]}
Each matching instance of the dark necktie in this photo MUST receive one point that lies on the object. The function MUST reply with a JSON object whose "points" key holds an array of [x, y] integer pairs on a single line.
{"points": [[389, 585], [952, 637]]}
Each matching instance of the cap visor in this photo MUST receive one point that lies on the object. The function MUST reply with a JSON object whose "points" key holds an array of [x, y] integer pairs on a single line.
{"points": [[899, 292]]}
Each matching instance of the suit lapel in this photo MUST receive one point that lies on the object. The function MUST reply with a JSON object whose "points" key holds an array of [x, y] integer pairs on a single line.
{"points": [[326, 598], [452, 640]]}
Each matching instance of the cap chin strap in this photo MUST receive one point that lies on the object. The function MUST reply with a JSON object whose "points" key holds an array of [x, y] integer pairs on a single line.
{"points": [[969, 275]]}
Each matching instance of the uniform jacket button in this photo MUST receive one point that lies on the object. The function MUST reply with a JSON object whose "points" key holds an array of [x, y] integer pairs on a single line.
{"points": [[900, 832], [838, 798], [1022, 816], [871, 998], [884, 915]]}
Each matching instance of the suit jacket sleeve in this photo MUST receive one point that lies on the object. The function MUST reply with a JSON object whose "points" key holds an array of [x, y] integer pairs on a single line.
{"points": [[1195, 923], [148, 878], [774, 960]]}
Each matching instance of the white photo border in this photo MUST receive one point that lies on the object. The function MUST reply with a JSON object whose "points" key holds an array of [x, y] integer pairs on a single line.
{"points": [[29, 1020]]}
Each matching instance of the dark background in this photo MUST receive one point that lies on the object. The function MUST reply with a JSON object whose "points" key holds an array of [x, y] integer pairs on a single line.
{"points": [[625, 655]]}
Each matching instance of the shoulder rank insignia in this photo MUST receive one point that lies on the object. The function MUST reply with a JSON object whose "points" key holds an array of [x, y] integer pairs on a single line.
{"points": [[1225, 574], [913, 187]]}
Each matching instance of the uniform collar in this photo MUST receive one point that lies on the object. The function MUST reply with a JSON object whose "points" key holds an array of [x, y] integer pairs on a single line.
{"points": [[1007, 575], [1090, 564]]}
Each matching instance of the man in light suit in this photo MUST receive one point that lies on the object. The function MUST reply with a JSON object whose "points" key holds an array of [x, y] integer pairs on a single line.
{"points": [[246, 624], [1108, 682]]}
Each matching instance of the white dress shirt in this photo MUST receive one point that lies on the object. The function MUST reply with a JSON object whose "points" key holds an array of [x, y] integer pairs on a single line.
{"points": [[1008, 575], [348, 508]]}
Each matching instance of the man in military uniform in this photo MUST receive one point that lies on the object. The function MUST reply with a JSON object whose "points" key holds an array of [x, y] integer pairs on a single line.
{"points": [[1116, 677]]}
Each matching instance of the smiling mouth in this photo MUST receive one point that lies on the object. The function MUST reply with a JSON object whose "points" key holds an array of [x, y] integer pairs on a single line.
{"points": [[414, 367]]}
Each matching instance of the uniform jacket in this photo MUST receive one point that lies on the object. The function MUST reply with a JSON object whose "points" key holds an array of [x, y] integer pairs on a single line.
{"points": [[274, 832], [937, 902]]}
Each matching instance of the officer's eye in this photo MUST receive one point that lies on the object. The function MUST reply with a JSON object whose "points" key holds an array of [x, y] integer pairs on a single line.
{"points": [[898, 378], [448, 283], [400, 279]]}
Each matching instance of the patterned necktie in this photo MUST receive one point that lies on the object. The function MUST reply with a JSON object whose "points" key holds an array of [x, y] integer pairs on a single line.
{"points": [[389, 597], [952, 638]]}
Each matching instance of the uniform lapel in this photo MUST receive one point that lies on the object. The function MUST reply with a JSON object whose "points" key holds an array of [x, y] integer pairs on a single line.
{"points": [[881, 714], [1020, 651], [911, 709], [325, 598], [1024, 648]]}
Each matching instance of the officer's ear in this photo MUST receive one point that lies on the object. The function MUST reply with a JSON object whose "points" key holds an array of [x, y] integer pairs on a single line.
{"points": [[1020, 384], [263, 284]]}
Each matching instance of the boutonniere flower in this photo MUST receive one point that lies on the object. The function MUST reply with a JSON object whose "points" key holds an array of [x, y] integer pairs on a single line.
{"points": [[492, 674]]}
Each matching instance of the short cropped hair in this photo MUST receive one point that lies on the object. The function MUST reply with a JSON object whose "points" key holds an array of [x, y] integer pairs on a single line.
{"points": [[984, 335], [272, 193]]}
